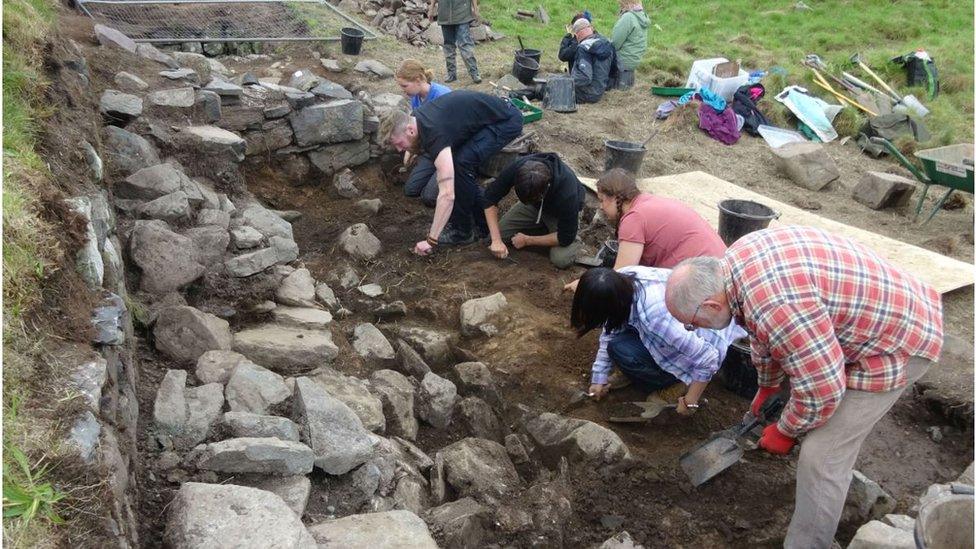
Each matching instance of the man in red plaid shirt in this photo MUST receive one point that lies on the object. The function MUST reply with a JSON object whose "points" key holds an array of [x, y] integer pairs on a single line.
{"points": [[849, 330]]}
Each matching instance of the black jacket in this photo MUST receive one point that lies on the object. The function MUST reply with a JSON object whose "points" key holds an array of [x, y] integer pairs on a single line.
{"points": [[567, 50], [563, 200], [594, 68]]}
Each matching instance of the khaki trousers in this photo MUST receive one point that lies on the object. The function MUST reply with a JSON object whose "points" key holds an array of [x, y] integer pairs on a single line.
{"points": [[521, 219], [827, 456]]}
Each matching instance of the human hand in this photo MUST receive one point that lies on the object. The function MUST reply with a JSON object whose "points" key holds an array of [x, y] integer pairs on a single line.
{"points": [[683, 409], [407, 157], [761, 395], [423, 248], [499, 249], [599, 390], [775, 442], [571, 287], [520, 241]]}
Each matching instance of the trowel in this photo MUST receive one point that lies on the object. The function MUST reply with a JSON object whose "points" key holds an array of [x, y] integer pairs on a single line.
{"points": [[726, 448], [647, 410]]}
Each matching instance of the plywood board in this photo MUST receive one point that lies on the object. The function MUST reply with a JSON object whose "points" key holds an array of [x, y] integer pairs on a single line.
{"points": [[703, 192]]}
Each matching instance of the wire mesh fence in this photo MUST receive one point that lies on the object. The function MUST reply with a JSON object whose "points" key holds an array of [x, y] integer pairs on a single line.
{"points": [[222, 20]]}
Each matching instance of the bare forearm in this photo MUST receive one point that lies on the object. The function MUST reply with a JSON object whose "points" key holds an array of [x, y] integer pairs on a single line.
{"points": [[550, 240], [695, 391], [491, 216], [442, 212]]}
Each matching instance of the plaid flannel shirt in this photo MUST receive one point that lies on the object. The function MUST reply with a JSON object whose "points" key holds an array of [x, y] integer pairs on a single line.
{"points": [[688, 356], [830, 314]]}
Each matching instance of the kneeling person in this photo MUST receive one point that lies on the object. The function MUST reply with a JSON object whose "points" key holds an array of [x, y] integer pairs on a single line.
{"points": [[547, 213]]}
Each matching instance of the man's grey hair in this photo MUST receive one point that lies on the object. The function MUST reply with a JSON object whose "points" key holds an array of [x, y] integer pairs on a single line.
{"points": [[702, 280], [394, 123]]}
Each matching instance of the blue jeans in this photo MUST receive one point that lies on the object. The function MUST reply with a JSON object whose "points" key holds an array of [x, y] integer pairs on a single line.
{"points": [[467, 157], [422, 182], [629, 354]]}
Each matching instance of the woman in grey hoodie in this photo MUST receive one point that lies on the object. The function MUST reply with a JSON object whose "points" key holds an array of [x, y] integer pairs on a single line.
{"points": [[629, 38]]}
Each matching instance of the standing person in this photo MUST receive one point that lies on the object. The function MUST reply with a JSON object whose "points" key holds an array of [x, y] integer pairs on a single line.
{"points": [[568, 45], [650, 348], [417, 83], [849, 330], [653, 231], [629, 38], [459, 131], [550, 198], [595, 63], [455, 17]]}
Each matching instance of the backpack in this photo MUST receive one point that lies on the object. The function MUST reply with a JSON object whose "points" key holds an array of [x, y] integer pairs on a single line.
{"points": [[891, 127], [745, 106], [920, 70]]}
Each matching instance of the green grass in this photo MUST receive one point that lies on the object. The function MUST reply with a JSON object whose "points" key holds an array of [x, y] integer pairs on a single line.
{"points": [[766, 34]]}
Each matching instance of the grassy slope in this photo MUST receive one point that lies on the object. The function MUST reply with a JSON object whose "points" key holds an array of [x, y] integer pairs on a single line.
{"points": [[766, 34]]}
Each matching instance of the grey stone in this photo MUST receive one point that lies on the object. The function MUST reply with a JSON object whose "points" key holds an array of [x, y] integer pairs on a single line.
{"points": [[127, 152], [88, 260], [903, 522], [183, 416], [297, 289], [226, 205], [83, 436], [216, 140], [866, 500], [303, 80], [290, 216], [172, 207], [474, 378], [371, 344], [460, 523], [266, 222], [286, 350], [286, 249], [366, 479], [878, 535], [336, 434], [433, 346], [516, 449], [223, 515], [298, 100], [807, 164], [218, 67], [217, 366], [397, 394], [294, 490], [387, 530], [107, 319], [878, 190], [237, 118], [209, 244], [966, 477], [345, 184], [182, 98], [435, 399], [224, 88], [332, 122], [374, 68], [346, 277], [277, 111], [331, 65], [333, 158], [410, 495], [185, 333], [479, 467], [302, 317], [151, 183], [621, 541], [354, 393], [371, 124], [479, 316], [114, 279], [247, 424], [254, 389], [251, 263], [359, 242], [162, 257], [119, 105], [409, 361], [325, 295], [107, 36], [330, 90], [208, 216], [273, 135], [370, 290], [934, 433], [189, 75], [209, 103], [387, 311], [245, 237], [480, 420], [254, 455], [195, 61], [88, 378], [129, 82], [95, 166], [576, 439], [148, 51], [370, 205]]}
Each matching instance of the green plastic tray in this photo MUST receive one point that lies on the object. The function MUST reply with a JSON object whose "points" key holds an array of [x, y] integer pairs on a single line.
{"points": [[529, 112], [670, 92]]}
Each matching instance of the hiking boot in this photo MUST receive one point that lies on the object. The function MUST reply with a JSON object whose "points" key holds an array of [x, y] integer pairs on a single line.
{"points": [[450, 78], [451, 236], [618, 380], [476, 79]]}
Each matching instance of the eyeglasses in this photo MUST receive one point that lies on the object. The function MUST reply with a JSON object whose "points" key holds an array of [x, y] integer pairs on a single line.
{"points": [[690, 326]]}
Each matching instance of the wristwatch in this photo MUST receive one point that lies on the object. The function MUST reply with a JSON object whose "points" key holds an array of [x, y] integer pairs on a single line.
{"points": [[687, 405]]}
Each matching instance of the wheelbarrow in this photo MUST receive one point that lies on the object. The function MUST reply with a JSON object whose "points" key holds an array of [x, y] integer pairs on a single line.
{"points": [[950, 166]]}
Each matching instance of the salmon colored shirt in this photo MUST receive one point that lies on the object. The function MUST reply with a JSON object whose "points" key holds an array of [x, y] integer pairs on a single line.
{"points": [[669, 230]]}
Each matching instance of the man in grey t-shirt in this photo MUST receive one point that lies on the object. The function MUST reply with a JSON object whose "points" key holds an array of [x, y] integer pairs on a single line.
{"points": [[455, 17]]}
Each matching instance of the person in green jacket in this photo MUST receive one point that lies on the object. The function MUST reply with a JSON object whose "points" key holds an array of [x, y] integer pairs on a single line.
{"points": [[629, 38]]}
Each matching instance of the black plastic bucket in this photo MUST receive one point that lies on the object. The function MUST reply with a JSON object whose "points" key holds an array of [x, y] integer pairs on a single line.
{"points": [[351, 40], [623, 154], [525, 69], [737, 218], [737, 373], [560, 95]]}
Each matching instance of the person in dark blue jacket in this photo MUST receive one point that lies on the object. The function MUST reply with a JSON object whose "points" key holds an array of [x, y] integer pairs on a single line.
{"points": [[595, 66], [568, 45]]}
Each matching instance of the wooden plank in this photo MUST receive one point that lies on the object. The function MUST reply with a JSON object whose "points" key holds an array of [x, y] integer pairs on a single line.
{"points": [[703, 192]]}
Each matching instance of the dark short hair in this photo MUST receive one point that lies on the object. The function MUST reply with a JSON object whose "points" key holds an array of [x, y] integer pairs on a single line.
{"points": [[604, 298], [531, 180]]}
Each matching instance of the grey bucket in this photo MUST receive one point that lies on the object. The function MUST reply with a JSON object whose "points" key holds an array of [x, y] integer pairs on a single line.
{"points": [[560, 95], [623, 154], [737, 218]]}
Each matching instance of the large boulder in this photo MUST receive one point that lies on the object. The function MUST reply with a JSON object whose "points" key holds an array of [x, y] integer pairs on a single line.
{"points": [[119, 106], [251, 263], [297, 289], [474, 378], [354, 393], [286, 350], [332, 158], [337, 436], [162, 257], [373, 67], [151, 182], [216, 141], [479, 467], [266, 222], [807, 164], [434, 346], [302, 317], [480, 420], [209, 244], [371, 344], [878, 190], [409, 361], [479, 316], [294, 489], [359, 242], [107, 36], [332, 122], [173, 207], [194, 61], [184, 416], [178, 98], [185, 333], [270, 456], [254, 389], [226, 515], [246, 424], [866, 500], [579, 440], [397, 394], [386, 530], [878, 535], [435, 399], [126, 152]]}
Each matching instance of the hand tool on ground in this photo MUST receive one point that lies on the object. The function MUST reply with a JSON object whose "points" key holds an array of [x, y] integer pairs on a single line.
{"points": [[856, 59], [653, 133], [813, 61], [864, 85], [578, 399], [725, 449], [819, 80], [648, 409]]}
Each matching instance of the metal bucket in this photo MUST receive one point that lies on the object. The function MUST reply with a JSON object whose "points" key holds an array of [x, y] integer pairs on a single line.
{"points": [[623, 154], [737, 218]]}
